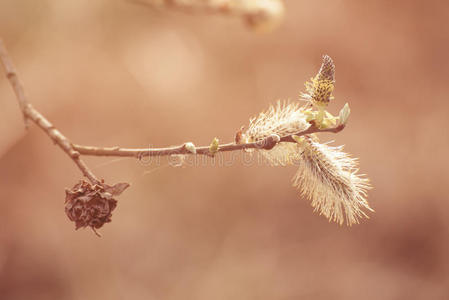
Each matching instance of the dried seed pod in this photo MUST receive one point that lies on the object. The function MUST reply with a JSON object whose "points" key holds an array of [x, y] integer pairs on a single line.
{"points": [[91, 205]]}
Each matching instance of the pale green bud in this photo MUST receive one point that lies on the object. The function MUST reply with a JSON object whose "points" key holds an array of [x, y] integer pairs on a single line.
{"points": [[344, 114], [213, 148]]}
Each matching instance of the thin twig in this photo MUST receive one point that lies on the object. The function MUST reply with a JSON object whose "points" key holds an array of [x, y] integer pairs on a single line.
{"points": [[267, 144], [15, 81], [30, 113], [74, 151], [256, 13]]}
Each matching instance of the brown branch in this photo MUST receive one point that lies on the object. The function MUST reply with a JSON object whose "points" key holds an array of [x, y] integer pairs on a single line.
{"points": [[30, 113], [256, 13], [14, 80], [74, 151], [267, 144]]}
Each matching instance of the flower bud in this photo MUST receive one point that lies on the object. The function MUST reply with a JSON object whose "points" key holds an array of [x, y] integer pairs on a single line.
{"points": [[344, 114], [213, 147], [190, 147]]}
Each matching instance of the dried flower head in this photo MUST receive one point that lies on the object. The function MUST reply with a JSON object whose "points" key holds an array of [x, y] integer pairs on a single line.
{"points": [[283, 119], [328, 177], [92, 205], [319, 89]]}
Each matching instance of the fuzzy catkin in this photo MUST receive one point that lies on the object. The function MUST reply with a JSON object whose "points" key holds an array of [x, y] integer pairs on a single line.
{"points": [[328, 177], [283, 119], [319, 89]]}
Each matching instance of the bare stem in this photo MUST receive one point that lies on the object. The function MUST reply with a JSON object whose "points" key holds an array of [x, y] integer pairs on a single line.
{"points": [[30, 113], [74, 151], [254, 12], [267, 144]]}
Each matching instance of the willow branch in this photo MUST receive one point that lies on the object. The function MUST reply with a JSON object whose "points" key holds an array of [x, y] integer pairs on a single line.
{"points": [[267, 144], [256, 13], [74, 151], [30, 113]]}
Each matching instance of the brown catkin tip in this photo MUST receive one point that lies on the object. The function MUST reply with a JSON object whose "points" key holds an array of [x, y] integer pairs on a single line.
{"points": [[319, 89], [327, 70]]}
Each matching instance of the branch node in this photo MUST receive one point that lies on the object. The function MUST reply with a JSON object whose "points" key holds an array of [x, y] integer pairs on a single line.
{"points": [[214, 147], [269, 142], [189, 147]]}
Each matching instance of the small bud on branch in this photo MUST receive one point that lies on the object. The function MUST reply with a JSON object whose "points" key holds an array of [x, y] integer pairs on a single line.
{"points": [[344, 114], [213, 147], [190, 147]]}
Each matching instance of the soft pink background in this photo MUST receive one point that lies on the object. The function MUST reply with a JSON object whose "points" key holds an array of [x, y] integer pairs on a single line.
{"points": [[111, 73]]}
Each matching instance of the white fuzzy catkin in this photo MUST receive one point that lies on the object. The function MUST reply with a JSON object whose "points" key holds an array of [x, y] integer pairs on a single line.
{"points": [[328, 177], [284, 118]]}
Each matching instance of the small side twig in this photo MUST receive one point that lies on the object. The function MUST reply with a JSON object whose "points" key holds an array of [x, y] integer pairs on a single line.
{"points": [[30, 113]]}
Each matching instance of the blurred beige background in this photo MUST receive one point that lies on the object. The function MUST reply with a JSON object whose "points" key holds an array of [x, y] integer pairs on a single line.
{"points": [[112, 73]]}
